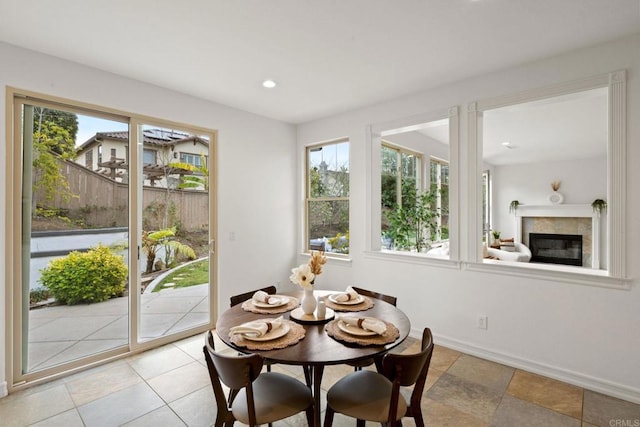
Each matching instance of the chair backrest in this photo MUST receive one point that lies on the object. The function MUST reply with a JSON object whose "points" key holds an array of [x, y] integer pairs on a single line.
{"points": [[235, 372], [408, 369], [237, 299], [386, 298], [224, 414]]}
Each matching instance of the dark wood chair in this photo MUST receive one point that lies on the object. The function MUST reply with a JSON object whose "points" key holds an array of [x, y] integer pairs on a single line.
{"points": [[237, 299], [376, 295], [258, 397], [372, 294], [372, 396]]}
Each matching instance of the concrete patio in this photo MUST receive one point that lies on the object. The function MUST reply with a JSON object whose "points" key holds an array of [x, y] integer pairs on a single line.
{"points": [[58, 334]]}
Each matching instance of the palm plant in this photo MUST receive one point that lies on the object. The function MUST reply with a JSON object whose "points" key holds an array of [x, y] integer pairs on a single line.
{"points": [[152, 241]]}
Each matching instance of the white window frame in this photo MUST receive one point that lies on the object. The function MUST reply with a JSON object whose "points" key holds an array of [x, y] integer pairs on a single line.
{"points": [[616, 275], [308, 198], [375, 135]]}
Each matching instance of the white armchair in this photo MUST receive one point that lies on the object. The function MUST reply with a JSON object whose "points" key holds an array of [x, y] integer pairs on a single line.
{"points": [[521, 253]]}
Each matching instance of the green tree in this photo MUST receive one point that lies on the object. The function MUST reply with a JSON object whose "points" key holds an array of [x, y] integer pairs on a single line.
{"points": [[51, 143], [413, 223], [65, 120]]}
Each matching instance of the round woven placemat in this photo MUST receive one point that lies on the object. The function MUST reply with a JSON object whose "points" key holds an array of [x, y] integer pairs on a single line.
{"points": [[364, 305], [391, 334], [293, 303], [295, 334]]}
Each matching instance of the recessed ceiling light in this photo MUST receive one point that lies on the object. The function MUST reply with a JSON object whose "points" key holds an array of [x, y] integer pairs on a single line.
{"points": [[269, 84], [507, 144]]}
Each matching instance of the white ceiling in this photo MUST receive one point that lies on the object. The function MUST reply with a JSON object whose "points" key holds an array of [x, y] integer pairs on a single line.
{"points": [[328, 56]]}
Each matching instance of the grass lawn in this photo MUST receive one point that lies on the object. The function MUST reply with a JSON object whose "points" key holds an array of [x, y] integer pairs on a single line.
{"points": [[195, 273]]}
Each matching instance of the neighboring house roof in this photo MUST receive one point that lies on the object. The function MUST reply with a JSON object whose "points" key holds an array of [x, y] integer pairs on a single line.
{"points": [[156, 137]]}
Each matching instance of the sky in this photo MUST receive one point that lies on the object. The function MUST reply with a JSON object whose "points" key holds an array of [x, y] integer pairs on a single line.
{"points": [[89, 126]]}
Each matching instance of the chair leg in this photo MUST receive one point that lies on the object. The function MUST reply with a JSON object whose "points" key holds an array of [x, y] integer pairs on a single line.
{"points": [[418, 418], [360, 423], [309, 412], [328, 416], [307, 375]]}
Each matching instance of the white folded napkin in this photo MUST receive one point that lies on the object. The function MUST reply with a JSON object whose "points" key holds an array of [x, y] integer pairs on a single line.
{"points": [[262, 296], [367, 323], [257, 328], [348, 295]]}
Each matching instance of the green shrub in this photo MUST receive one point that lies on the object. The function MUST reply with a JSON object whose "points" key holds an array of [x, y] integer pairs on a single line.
{"points": [[86, 277], [38, 294]]}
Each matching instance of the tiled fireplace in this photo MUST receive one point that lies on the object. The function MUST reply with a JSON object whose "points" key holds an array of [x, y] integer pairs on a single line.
{"points": [[577, 220]]}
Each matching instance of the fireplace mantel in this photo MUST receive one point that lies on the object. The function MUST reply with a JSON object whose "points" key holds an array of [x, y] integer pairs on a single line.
{"points": [[574, 211], [566, 211]]}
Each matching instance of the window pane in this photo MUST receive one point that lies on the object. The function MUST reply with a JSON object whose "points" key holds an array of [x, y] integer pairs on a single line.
{"points": [[389, 182], [329, 225], [329, 171], [327, 197], [149, 157]]}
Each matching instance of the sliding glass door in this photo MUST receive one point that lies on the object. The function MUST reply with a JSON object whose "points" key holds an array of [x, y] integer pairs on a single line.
{"points": [[110, 230]]}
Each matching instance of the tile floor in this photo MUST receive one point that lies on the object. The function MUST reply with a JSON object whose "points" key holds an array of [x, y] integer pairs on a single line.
{"points": [[169, 386]]}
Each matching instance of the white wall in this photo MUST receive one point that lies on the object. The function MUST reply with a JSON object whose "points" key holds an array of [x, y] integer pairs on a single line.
{"points": [[256, 166], [582, 181], [582, 334]]}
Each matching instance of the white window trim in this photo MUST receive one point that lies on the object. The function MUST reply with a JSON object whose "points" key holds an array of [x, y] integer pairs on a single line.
{"points": [[306, 250], [616, 275], [375, 134]]}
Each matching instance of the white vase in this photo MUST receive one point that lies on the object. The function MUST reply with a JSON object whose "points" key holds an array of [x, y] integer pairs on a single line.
{"points": [[308, 302]]}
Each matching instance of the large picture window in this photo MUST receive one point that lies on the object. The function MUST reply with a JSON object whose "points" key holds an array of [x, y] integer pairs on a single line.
{"points": [[327, 197]]}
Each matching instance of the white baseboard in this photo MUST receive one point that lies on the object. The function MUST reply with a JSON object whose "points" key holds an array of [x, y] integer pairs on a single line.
{"points": [[576, 378], [3, 389]]}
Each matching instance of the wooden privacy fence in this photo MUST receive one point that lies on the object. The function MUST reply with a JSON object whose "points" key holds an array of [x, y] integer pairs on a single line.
{"points": [[100, 201]]}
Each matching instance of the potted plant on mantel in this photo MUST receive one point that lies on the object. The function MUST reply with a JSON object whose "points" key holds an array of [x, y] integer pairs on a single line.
{"points": [[513, 206], [598, 206]]}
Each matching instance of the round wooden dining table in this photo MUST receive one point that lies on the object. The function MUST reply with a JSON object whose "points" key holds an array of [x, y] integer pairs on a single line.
{"points": [[317, 349]]}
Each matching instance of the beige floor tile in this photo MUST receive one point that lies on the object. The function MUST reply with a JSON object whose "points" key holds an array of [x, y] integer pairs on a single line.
{"points": [[120, 407], [490, 374], [161, 417], [437, 414], [192, 346], [432, 377], [604, 410], [158, 361], [102, 382], [470, 398], [180, 382], [516, 412], [25, 408], [546, 392], [443, 358], [197, 409], [70, 418]]}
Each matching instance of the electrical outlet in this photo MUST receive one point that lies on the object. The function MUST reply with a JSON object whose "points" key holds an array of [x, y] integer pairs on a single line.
{"points": [[483, 322]]}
